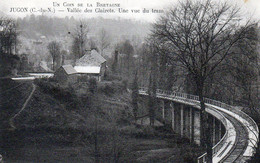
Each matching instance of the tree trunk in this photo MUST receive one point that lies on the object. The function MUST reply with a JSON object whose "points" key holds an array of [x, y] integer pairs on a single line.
{"points": [[53, 61], [202, 121], [208, 139], [205, 127], [96, 142]]}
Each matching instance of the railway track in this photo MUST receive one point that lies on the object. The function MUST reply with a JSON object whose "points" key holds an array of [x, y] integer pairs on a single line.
{"points": [[238, 145], [241, 142]]}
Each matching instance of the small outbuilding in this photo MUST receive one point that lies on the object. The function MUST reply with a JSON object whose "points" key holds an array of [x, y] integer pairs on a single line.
{"points": [[66, 74]]}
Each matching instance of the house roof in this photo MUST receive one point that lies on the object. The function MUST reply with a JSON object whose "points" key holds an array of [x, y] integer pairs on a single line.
{"points": [[87, 69], [92, 59], [69, 69]]}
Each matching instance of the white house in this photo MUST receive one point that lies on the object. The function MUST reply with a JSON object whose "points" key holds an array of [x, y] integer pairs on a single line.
{"points": [[91, 65]]}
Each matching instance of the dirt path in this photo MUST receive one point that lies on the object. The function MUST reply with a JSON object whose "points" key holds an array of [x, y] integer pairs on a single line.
{"points": [[11, 121]]}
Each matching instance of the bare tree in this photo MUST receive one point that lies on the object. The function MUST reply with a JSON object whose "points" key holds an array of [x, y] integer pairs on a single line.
{"points": [[54, 49], [8, 35], [143, 66], [104, 40], [152, 83], [135, 95], [200, 35], [127, 50], [115, 63], [8, 41], [80, 39], [93, 44], [245, 68]]}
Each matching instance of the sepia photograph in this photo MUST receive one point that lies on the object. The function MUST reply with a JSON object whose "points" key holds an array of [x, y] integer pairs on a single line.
{"points": [[129, 81]]}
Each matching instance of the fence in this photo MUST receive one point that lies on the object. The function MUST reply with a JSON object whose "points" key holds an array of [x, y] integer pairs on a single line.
{"points": [[195, 99]]}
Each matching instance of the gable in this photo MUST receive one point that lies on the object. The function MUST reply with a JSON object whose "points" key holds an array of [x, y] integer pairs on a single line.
{"points": [[93, 59], [67, 69]]}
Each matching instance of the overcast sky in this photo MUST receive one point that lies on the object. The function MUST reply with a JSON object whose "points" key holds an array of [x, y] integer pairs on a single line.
{"points": [[253, 6]]}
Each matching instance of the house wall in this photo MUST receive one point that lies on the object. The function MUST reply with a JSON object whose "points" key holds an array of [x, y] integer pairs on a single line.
{"points": [[103, 69], [61, 76], [85, 77], [72, 78]]}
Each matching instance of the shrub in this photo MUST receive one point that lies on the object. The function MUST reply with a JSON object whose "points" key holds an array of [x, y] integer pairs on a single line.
{"points": [[65, 94], [188, 155], [148, 131], [112, 77], [110, 88], [92, 84], [82, 79], [125, 84], [139, 132], [131, 130]]}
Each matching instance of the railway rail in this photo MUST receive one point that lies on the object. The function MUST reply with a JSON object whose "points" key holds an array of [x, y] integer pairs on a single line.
{"points": [[241, 137]]}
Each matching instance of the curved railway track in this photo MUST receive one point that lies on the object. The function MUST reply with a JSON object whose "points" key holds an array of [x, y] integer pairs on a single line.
{"points": [[238, 143], [241, 142]]}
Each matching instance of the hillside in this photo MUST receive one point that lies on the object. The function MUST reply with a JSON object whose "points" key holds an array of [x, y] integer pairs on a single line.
{"points": [[63, 123], [36, 32], [53, 27], [12, 96]]}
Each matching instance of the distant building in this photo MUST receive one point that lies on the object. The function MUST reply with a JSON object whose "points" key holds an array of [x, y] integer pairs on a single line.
{"points": [[43, 37], [37, 42], [66, 74], [41, 74], [91, 64]]}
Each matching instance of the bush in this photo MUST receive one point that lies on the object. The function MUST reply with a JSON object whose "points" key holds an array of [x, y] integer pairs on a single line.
{"points": [[112, 77], [125, 84], [188, 155], [139, 132], [131, 130], [46, 79], [110, 88], [65, 94], [92, 84], [82, 79], [148, 131]]}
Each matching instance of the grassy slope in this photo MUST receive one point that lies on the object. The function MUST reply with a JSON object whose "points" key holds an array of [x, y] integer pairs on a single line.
{"points": [[12, 96], [50, 131]]}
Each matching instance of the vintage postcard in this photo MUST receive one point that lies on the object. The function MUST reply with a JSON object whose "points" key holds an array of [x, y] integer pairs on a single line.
{"points": [[129, 81]]}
